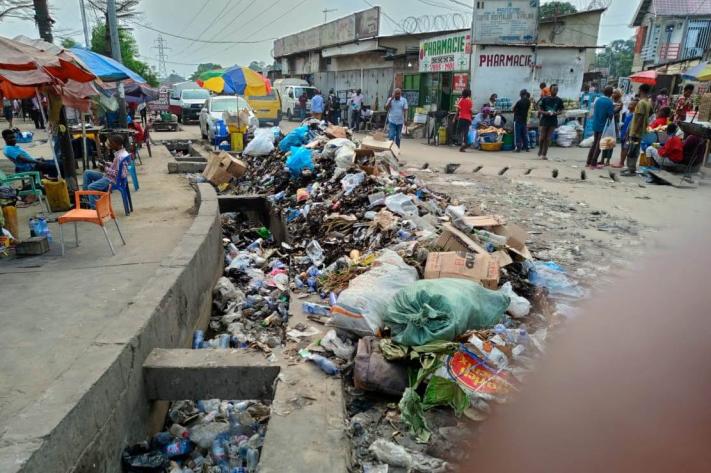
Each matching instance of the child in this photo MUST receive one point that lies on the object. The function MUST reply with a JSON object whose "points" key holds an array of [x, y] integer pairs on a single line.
{"points": [[624, 131], [662, 120]]}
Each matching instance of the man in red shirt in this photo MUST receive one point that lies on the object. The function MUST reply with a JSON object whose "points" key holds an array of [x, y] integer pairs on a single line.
{"points": [[464, 110], [673, 149], [684, 104]]}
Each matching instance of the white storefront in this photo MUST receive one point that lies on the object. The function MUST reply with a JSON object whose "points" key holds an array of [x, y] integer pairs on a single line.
{"points": [[505, 70]]}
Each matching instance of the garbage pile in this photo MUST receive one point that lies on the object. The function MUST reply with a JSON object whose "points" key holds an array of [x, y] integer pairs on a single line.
{"points": [[431, 313], [203, 436]]}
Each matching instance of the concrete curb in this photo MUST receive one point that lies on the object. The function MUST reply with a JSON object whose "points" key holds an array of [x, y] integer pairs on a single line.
{"points": [[88, 415]]}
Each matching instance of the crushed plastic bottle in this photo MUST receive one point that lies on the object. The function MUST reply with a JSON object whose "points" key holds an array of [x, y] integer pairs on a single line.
{"points": [[315, 253], [326, 365], [316, 309], [401, 204], [551, 276]]}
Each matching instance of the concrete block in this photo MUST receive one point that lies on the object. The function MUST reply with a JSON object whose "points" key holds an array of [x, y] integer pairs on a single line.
{"points": [[186, 167], [206, 374]]}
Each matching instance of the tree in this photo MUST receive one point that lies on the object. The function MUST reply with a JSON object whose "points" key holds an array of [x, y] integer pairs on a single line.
{"points": [[129, 52], [551, 9], [208, 66], [19, 9], [257, 65], [618, 57], [125, 11], [69, 43]]}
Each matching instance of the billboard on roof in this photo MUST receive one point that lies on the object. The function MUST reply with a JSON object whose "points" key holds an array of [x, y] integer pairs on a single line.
{"points": [[360, 25], [506, 21]]}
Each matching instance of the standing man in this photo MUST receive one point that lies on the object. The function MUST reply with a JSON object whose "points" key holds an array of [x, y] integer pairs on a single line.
{"points": [[317, 105], [464, 111], [684, 104], [303, 99], [550, 106], [143, 112], [7, 110], [603, 112], [638, 128], [356, 105], [334, 107], [396, 107], [520, 112], [545, 91], [37, 114]]}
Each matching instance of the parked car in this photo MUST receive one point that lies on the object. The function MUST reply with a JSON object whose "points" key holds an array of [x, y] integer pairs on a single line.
{"points": [[214, 107], [186, 103], [266, 107]]}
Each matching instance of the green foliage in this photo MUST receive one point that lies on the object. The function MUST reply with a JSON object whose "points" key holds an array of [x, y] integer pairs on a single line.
{"points": [[69, 43], [556, 8], [618, 57], [208, 66], [100, 43]]}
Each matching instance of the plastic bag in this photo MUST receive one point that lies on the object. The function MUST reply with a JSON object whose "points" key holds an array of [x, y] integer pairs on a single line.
{"points": [[372, 372], [295, 137], [519, 306], [361, 305], [338, 347], [333, 146], [566, 136], [551, 276], [609, 136], [262, 143], [225, 292], [444, 392], [298, 160], [351, 181], [401, 204], [139, 458], [442, 309], [396, 455]]}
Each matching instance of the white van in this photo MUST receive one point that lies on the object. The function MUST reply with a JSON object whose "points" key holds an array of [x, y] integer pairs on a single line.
{"points": [[289, 91], [186, 100]]}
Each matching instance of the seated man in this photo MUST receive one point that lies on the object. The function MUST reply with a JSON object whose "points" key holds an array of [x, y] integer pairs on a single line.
{"points": [[676, 156], [96, 181], [22, 159]]}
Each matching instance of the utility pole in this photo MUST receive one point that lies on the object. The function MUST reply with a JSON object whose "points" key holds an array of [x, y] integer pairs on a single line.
{"points": [[87, 43], [162, 56], [43, 20], [116, 53], [326, 11]]}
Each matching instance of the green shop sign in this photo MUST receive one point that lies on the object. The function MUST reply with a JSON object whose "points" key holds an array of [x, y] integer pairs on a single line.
{"points": [[445, 53]]}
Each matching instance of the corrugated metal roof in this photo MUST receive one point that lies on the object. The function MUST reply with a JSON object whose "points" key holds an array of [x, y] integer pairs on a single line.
{"points": [[671, 8], [681, 7]]}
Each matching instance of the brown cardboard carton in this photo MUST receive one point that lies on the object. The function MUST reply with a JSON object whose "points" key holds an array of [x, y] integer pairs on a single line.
{"points": [[483, 221], [517, 237], [452, 239], [478, 268], [222, 167]]}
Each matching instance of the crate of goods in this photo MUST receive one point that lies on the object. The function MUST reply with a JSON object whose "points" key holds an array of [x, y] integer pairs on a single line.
{"points": [[705, 108], [34, 246]]}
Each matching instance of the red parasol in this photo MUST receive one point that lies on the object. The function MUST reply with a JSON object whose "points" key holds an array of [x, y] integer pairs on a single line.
{"points": [[644, 77]]}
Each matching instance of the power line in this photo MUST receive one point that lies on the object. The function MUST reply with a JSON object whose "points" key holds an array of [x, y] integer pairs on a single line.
{"points": [[196, 39], [191, 20], [462, 4], [162, 48], [388, 17], [228, 23], [210, 24]]}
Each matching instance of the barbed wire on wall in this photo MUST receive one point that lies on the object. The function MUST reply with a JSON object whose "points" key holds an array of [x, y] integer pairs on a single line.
{"points": [[427, 23]]}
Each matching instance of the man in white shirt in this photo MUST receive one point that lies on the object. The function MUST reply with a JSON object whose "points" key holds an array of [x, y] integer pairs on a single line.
{"points": [[356, 105]]}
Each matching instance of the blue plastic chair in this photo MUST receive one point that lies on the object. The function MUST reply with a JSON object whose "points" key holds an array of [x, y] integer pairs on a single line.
{"points": [[122, 186], [134, 175]]}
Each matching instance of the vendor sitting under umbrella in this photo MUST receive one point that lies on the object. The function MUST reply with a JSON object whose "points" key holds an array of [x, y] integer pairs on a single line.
{"points": [[22, 159], [675, 155]]}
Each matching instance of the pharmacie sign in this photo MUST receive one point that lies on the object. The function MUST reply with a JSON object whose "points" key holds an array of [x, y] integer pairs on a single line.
{"points": [[445, 53]]}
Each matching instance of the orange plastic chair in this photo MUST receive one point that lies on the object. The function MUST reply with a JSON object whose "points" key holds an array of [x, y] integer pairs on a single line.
{"points": [[102, 213]]}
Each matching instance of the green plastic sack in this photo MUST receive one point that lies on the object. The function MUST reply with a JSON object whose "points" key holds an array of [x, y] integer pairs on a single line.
{"points": [[442, 309]]}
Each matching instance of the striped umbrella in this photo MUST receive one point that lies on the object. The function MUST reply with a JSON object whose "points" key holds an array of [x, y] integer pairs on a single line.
{"points": [[700, 72], [237, 80]]}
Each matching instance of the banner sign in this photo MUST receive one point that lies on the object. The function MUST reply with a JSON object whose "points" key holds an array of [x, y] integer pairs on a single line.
{"points": [[506, 21]]}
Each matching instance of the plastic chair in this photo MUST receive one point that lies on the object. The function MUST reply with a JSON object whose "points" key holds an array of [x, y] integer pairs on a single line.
{"points": [[122, 186], [33, 178], [98, 216], [134, 176]]}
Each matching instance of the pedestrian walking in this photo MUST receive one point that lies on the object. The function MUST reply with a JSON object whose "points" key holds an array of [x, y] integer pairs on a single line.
{"points": [[638, 128], [303, 100], [396, 106], [37, 114], [603, 112], [520, 112], [143, 112], [464, 112], [317, 105], [549, 106]]}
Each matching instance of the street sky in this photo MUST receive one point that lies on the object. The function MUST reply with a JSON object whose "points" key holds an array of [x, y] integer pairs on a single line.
{"points": [[249, 20]]}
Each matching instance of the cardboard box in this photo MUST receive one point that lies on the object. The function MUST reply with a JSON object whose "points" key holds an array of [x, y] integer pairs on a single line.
{"points": [[452, 239], [517, 237], [478, 268], [370, 142], [333, 131], [222, 167], [34, 246], [484, 221]]}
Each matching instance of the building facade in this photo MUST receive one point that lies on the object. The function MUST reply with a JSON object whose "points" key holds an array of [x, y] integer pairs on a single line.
{"points": [[670, 32], [580, 29]]}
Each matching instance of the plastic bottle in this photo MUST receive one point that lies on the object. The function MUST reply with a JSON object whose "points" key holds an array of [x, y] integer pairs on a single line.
{"points": [[255, 245], [177, 448], [179, 431], [217, 451], [223, 340], [316, 309], [198, 338], [315, 253], [401, 204], [252, 459], [326, 365]]}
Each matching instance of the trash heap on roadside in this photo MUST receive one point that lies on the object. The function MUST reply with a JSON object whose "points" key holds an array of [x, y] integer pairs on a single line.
{"points": [[203, 436], [429, 313]]}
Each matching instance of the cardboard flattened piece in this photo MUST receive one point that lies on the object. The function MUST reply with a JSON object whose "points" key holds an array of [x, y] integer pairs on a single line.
{"points": [[480, 268], [453, 239]]}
